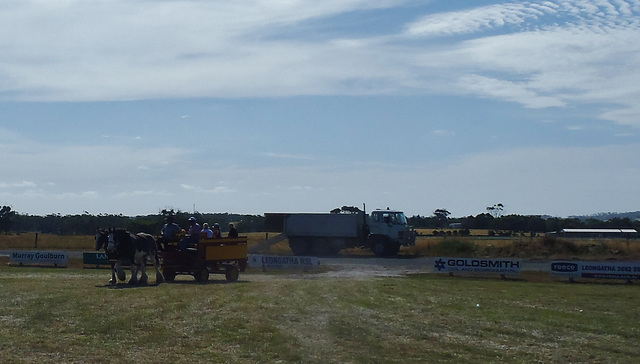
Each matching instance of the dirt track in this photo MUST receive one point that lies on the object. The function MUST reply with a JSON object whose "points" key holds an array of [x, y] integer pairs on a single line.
{"points": [[367, 267], [389, 267]]}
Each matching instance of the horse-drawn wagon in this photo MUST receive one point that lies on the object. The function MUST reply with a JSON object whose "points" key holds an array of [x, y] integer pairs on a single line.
{"points": [[226, 256]]}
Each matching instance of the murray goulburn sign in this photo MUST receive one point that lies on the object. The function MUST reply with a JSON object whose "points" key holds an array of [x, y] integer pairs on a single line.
{"points": [[282, 262], [597, 270], [54, 258], [477, 266]]}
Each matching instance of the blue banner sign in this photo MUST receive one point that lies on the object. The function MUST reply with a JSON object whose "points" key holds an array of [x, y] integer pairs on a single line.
{"points": [[597, 270], [95, 258], [55, 258], [282, 262]]}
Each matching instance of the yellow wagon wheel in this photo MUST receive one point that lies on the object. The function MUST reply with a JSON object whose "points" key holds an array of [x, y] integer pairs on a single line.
{"points": [[169, 275], [202, 275], [231, 273]]}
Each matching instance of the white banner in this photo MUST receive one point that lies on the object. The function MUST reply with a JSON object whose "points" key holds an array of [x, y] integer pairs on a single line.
{"points": [[477, 265], [600, 270], [39, 257], [282, 262]]}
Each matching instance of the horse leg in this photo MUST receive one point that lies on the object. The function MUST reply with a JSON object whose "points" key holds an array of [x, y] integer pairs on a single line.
{"points": [[159, 277], [122, 275], [156, 265], [134, 273], [144, 278], [113, 279], [138, 263]]}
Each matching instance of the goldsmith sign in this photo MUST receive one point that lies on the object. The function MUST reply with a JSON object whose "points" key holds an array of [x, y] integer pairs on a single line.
{"points": [[477, 265]]}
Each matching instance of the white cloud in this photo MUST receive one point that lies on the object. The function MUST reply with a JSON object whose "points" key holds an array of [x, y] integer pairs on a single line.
{"points": [[23, 184], [572, 55], [559, 181], [123, 50], [287, 156], [520, 92], [201, 190], [555, 66], [537, 53], [473, 20], [575, 127], [442, 132]]}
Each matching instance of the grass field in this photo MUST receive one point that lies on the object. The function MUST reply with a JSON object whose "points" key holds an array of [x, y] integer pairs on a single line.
{"points": [[50, 315]]}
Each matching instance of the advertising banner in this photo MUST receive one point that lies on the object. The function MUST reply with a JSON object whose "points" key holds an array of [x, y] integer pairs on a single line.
{"points": [[95, 258], [478, 266], [55, 258], [280, 262], [599, 270]]}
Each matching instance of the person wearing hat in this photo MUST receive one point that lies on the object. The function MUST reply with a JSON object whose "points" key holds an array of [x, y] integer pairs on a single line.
{"points": [[169, 232], [216, 231], [206, 233], [233, 233], [193, 235]]}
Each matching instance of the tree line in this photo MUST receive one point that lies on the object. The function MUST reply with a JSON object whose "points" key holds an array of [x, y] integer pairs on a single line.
{"points": [[86, 224], [518, 223]]}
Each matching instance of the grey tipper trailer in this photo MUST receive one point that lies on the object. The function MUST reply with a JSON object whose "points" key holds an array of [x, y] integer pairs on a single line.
{"points": [[322, 234]]}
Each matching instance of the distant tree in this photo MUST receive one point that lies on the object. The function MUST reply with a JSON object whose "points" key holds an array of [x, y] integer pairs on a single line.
{"points": [[345, 210], [167, 212], [423, 221], [6, 216], [535, 224], [496, 210], [441, 216], [350, 209]]}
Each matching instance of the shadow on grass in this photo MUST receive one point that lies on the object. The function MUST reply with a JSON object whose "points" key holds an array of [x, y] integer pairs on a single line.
{"points": [[209, 282], [125, 285], [401, 256]]}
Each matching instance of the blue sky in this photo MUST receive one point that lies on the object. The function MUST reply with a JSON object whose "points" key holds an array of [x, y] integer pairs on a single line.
{"points": [[271, 106]]}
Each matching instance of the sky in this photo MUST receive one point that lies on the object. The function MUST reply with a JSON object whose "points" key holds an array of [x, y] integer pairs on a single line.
{"points": [[134, 106]]}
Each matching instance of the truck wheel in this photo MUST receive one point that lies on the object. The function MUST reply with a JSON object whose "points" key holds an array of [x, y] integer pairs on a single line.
{"points": [[299, 246], [380, 247], [394, 248], [322, 247], [231, 273], [326, 247]]}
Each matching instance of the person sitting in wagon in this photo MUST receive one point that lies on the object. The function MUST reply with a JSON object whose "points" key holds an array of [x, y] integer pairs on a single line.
{"points": [[193, 235], [169, 233], [206, 233], [216, 231], [233, 233]]}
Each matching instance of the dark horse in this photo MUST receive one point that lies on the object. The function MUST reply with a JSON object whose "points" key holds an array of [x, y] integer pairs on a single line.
{"points": [[102, 240], [124, 248]]}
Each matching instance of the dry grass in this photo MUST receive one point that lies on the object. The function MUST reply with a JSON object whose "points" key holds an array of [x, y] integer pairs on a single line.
{"points": [[524, 247], [76, 242], [520, 247], [46, 241]]}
